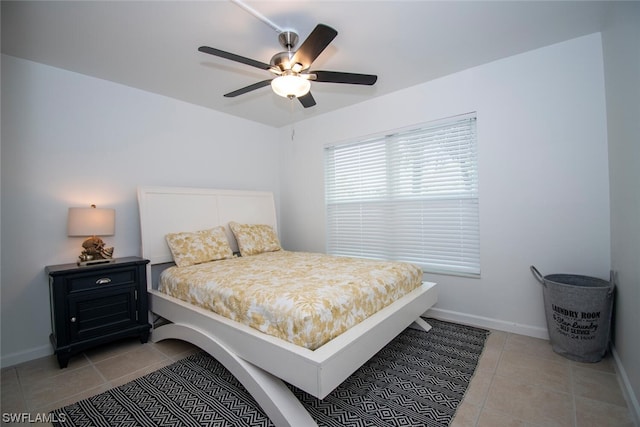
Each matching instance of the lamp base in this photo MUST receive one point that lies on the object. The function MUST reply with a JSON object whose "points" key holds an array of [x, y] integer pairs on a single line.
{"points": [[95, 262], [95, 253]]}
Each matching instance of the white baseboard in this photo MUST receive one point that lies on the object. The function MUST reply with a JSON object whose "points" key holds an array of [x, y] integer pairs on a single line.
{"points": [[488, 323], [25, 356], [629, 395]]}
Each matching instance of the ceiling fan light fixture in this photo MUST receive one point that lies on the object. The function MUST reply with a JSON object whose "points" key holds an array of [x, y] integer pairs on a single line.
{"points": [[290, 86]]}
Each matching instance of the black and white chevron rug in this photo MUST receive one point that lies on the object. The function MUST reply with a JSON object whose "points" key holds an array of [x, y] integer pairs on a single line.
{"points": [[418, 379]]}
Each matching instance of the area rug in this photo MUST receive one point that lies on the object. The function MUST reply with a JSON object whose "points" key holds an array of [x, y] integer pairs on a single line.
{"points": [[418, 379]]}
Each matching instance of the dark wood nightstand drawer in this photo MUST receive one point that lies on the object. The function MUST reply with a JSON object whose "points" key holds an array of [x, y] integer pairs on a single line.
{"points": [[103, 279]]}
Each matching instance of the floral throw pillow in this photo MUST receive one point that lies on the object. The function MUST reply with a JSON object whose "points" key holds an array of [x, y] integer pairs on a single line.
{"points": [[255, 239], [189, 248]]}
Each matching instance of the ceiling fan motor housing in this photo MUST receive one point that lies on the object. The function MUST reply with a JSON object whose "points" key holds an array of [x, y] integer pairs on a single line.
{"points": [[282, 60]]}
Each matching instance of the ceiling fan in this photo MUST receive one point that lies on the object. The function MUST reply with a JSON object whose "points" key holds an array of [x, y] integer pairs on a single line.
{"points": [[291, 68]]}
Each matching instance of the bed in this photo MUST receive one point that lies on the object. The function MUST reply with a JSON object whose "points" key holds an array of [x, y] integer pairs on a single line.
{"points": [[260, 361]]}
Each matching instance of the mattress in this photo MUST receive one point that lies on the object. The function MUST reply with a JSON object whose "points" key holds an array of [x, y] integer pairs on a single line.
{"points": [[304, 298]]}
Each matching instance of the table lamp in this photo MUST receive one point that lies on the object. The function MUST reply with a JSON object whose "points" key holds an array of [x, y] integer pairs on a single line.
{"points": [[92, 222]]}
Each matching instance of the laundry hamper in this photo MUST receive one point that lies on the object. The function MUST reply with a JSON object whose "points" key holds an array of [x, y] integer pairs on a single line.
{"points": [[578, 310]]}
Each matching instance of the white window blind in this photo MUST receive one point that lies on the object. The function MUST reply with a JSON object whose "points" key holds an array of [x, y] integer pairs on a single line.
{"points": [[410, 196]]}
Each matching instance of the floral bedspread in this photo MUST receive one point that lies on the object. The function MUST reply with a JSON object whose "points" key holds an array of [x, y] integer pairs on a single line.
{"points": [[304, 298]]}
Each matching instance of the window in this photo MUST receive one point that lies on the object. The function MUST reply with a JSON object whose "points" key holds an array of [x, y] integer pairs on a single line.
{"points": [[409, 196]]}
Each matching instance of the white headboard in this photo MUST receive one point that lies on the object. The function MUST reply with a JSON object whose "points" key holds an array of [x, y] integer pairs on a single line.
{"points": [[166, 210]]}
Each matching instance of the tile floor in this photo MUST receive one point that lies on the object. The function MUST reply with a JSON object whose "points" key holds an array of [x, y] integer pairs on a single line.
{"points": [[519, 382]]}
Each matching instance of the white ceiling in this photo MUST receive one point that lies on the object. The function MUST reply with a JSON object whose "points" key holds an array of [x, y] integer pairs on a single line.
{"points": [[152, 45]]}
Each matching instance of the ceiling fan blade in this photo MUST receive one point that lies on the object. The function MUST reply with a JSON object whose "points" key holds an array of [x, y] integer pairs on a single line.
{"points": [[307, 100], [234, 57], [348, 78], [248, 88], [313, 46]]}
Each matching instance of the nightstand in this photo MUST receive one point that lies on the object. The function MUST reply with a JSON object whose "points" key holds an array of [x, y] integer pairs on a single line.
{"points": [[96, 304]]}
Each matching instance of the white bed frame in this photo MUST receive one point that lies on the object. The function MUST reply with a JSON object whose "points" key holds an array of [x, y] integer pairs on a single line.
{"points": [[259, 361]]}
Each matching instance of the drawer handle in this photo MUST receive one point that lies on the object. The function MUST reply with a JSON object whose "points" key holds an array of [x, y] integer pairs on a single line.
{"points": [[73, 320], [103, 281]]}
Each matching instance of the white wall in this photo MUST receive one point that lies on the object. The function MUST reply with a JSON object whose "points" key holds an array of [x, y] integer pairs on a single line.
{"points": [[544, 195], [70, 140], [621, 45]]}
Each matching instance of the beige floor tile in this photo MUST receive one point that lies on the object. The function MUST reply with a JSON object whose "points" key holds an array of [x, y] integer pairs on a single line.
{"points": [[535, 371], [597, 385], [492, 418], [489, 360], [11, 399], [605, 365], [53, 388], [83, 394], [115, 348], [9, 375], [466, 415], [140, 372], [173, 348], [496, 339], [532, 347], [36, 370], [533, 404], [187, 353], [127, 362], [593, 413], [478, 388]]}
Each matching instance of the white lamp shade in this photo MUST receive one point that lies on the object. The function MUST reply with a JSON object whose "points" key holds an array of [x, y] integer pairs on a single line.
{"points": [[290, 85], [91, 222]]}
